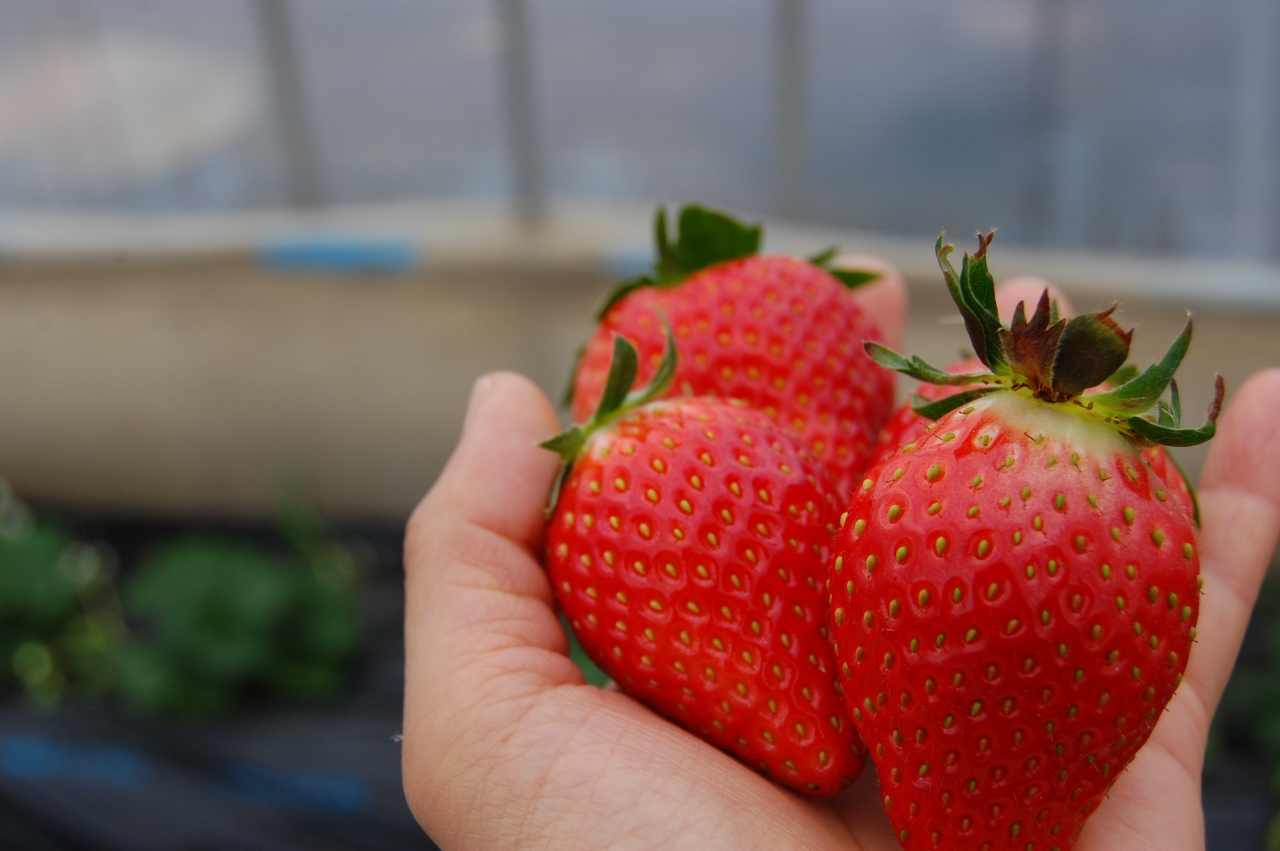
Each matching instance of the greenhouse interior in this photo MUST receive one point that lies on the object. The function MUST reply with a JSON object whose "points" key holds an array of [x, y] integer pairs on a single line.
{"points": [[254, 254]]}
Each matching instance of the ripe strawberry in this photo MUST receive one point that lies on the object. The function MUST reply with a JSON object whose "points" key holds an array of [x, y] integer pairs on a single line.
{"points": [[1177, 489], [905, 426], [1012, 603], [688, 548], [780, 333]]}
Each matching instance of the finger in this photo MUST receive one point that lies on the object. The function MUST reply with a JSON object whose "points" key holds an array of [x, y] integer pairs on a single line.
{"points": [[498, 477], [1240, 510], [1027, 289], [884, 299], [480, 631], [470, 546]]}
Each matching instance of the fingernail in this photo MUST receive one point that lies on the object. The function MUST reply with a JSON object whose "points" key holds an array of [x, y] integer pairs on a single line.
{"points": [[479, 391]]}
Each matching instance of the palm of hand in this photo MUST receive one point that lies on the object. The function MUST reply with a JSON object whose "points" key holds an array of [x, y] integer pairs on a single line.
{"points": [[506, 748]]}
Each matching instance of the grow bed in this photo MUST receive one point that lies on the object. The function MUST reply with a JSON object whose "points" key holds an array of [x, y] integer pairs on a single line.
{"points": [[268, 777]]}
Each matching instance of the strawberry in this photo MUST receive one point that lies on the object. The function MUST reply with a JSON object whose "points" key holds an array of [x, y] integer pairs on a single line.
{"points": [[687, 547], [1012, 602], [905, 426], [1177, 488], [780, 333]]}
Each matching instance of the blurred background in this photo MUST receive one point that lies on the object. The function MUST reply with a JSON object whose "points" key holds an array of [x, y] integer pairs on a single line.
{"points": [[253, 253]]}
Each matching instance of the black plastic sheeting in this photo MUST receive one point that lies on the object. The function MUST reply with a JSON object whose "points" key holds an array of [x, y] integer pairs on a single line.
{"points": [[270, 779], [86, 780]]}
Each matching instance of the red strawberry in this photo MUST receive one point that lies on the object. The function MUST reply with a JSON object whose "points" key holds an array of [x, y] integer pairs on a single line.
{"points": [[780, 333], [1013, 605], [688, 548], [905, 426], [1179, 490]]}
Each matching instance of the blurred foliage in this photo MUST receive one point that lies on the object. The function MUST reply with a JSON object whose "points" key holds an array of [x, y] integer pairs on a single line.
{"points": [[200, 626], [59, 622], [1248, 719]]}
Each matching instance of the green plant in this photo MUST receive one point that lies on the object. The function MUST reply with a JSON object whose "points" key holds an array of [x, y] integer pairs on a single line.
{"points": [[202, 624], [218, 620], [59, 620]]}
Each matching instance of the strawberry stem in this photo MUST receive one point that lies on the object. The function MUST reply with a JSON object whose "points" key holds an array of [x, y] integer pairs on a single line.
{"points": [[704, 237], [619, 399], [1054, 359]]}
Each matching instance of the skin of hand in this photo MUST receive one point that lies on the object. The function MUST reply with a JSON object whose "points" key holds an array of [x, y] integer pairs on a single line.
{"points": [[505, 747]]}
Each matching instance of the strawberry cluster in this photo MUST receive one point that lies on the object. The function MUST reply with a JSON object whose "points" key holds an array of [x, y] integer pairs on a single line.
{"points": [[996, 590], [693, 526]]}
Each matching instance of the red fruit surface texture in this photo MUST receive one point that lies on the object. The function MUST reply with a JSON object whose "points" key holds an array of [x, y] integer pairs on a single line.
{"points": [[776, 332], [1012, 608], [906, 426], [688, 549]]}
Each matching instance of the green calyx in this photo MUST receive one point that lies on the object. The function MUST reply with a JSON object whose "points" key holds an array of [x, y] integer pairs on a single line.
{"points": [[705, 237], [851, 278], [619, 399], [1056, 360]]}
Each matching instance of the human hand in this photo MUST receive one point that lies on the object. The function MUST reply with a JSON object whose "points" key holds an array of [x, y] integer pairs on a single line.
{"points": [[505, 747]]}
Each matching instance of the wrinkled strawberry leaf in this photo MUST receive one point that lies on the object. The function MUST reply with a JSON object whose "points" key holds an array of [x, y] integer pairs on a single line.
{"points": [[973, 291], [1032, 345], [1092, 347], [1141, 393], [1170, 436], [1166, 436]]}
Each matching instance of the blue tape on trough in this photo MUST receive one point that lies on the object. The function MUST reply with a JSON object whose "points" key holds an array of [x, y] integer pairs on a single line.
{"points": [[299, 790], [35, 758], [340, 254]]}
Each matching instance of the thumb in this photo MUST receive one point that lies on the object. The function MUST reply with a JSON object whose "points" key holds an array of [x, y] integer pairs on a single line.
{"points": [[498, 477], [481, 636]]}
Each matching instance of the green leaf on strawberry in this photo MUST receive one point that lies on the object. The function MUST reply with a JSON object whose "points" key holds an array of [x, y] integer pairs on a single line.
{"points": [[1055, 360]]}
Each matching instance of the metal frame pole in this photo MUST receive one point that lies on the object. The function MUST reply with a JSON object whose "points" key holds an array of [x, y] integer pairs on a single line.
{"points": [[1253, 173], [790, 136], [288, 99], [529, 196]]}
